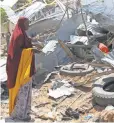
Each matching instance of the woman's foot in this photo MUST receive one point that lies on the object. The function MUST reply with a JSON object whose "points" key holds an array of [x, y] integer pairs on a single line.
{"points": [[27, 119], [20, 119]]}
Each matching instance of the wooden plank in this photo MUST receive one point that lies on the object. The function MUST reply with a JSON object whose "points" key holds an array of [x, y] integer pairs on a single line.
{"points": [[66, 49], [101, 65]]}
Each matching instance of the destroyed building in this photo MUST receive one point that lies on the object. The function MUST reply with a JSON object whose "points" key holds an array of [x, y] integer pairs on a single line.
{"points": [[75, 70]]}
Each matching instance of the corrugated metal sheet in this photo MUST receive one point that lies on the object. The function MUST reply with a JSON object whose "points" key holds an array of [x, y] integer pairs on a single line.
{"points": [[103, 12], [54, 56], [28, 12]]}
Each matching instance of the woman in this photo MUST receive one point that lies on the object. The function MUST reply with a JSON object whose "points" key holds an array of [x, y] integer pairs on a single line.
{"points": [[20, 69]]}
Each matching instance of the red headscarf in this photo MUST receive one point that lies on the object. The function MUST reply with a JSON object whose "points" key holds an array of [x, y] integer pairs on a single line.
{"points": [[19, 41]]}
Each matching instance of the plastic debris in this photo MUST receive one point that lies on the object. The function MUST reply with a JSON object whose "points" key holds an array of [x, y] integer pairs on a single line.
{"points": [[107, 116], [110, 107], [60, 88], [89, 116], [75, 114]]}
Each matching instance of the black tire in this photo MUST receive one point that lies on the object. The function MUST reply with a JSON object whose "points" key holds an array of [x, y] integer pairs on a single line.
{"points": [[88, 70], [101, 96]]}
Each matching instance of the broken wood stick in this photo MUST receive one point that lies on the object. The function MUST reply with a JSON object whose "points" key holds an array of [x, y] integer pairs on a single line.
{"points": [[66, 49], [101, 65], [74, 101], [103, 73]]}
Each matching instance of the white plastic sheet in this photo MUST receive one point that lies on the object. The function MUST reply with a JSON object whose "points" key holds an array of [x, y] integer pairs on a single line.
{"points": [[62, 88], [75, 39]]}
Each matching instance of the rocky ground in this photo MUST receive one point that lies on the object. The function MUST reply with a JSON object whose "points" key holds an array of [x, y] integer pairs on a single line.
{"points": [[43, 107], [46, 109]]}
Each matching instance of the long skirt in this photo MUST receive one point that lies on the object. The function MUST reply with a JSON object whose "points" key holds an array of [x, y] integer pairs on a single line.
{"points": [[23, 103]]}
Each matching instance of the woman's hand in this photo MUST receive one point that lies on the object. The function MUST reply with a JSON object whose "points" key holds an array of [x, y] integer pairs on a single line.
{"points": [[35, 38], [35, 50]]}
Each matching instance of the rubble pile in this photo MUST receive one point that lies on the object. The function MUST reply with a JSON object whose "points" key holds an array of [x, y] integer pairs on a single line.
{"points": [[73, 77], [107, 115], [46, 35]]}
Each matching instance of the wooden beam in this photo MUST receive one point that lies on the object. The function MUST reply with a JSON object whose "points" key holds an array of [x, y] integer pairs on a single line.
{"points": [[66, 49]]}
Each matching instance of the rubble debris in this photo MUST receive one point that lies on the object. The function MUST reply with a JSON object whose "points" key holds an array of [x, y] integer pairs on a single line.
{"points": [[67, 50], [72, 113], [100, 65], [107, 116], [109, 107], [3, 75], [94, 30], [99, 10], [1, 91], [60, 88], [59, 102], [38, 44], [109, 58], [69, 26], [77, 69], [3, 80], [105, 21], [81, 50], [74, 39], [54, 54], [89, 116], [49, 76], [42, 104], [52, 115], [106, 56], [65, 118], [110, 42], [97, 53], [2, 62], [100, 70], [86, 104], [39, 77], [58, 67], [103, 48], [103, 92], [81, 30]]}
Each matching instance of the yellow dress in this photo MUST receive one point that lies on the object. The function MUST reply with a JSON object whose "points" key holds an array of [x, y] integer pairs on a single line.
{"points": [[23, 76]]}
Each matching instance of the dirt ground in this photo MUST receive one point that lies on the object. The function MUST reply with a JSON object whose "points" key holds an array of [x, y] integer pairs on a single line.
{"points": [[42, 104]]}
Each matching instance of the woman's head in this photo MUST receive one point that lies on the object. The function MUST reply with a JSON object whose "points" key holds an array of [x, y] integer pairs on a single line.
{"points": [[23, 23]]}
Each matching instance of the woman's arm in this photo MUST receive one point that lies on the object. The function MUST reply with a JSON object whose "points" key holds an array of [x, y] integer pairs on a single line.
{"points": [[34, 39], [35, 50]]}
